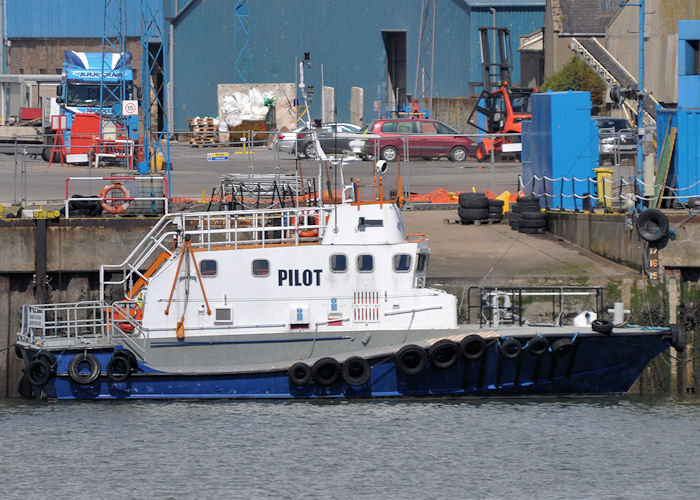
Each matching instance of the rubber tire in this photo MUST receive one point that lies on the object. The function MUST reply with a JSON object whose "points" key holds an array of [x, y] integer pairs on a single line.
{"points": [[310, 150], [530, 201], [603, 326], [472, 347], [562, 347], [458, 153], [49, 358], [652, 225], [538, 345], [356, 370], [493, 202], [126, 353], [511, 348], [532, 223], [39, 372], [533, 216], [478, 201], [299, 374], [389, 153], [470, 214], [115, 373], [531, 230], [411, 360], [74, 368], [443, 353], [326, 372]]}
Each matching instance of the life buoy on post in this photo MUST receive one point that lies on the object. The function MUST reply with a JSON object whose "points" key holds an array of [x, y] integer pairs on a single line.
{"points": [[114, 205]]}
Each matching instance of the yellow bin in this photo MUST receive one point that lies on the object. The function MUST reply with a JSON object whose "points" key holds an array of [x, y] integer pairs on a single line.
{"points": [[604, 181]]}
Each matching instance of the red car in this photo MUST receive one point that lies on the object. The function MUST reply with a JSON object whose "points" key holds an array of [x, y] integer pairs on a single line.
{"points": [[425, 138]]}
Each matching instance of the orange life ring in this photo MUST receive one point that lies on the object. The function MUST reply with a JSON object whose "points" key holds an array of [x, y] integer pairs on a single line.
{"points": [[308, 233], [135, 313], [113, 206]]}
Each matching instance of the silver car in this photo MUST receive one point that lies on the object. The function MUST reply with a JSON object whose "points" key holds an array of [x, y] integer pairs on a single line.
{"points": [[287, 141]]}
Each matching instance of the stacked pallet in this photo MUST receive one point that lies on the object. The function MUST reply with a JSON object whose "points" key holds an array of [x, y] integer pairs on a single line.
{"points": [[203, 131]]}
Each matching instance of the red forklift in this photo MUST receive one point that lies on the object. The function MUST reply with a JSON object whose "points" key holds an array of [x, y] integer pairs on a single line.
{"points": [[500, 106]]}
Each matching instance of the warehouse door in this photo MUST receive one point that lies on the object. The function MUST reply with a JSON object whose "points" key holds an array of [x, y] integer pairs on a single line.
{"points": [[395, 46]]}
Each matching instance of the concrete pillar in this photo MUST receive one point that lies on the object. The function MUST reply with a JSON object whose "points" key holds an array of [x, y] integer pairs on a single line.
{"points": [[672, 281], [357, 105], [328, 104]]}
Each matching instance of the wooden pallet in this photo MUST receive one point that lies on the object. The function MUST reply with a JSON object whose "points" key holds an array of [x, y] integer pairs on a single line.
{"points": [[473, 222], [203, 131]]}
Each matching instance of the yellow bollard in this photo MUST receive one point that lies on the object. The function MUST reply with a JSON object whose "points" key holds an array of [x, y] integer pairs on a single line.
{"points": [[604, 182]]}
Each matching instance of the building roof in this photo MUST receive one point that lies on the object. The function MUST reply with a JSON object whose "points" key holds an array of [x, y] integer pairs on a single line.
{"points": [[587, 17]]}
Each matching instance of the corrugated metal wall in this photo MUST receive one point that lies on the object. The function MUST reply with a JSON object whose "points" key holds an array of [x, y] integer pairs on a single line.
{"points": [[65, 18]]}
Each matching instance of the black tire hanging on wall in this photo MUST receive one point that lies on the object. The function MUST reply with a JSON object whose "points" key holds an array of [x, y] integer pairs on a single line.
{"points": [[443, 353], [562, 347], [472, 347], [77, 362], [326, 371], [511, 348], [299, 374], [356, 370], [39, 372], [411, 360], [652, 225], [118, 368], [603, 326], [538, 345]]}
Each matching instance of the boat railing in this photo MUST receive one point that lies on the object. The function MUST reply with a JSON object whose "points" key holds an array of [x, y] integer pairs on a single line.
{"points": [[508, 305], [208, 230]]}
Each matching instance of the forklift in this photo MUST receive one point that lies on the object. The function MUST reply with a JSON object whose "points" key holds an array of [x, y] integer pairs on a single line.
{"points": [[502, 106]]}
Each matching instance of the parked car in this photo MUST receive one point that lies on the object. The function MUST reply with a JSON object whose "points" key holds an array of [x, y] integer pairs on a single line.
{"points": [[425, 138], [334, 139], [617, 137]]}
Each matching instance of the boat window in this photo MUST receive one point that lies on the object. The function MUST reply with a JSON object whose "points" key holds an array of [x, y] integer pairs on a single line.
{"points": [[339, 263], [402, 262], [207, 267], [261, 267], [365, 263], [420, 266]]}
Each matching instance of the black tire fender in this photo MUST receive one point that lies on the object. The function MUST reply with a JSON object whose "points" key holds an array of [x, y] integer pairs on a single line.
{"points": [[299, 374], [326, 371], [74, 368], [604, 326], [49, 357], [130, 356], [411, 360], [356, 370], [511, 348], [118, 368], [39, 372], [652, 225], [443, 353], [538, 345], [562, 347], [472, 347]]}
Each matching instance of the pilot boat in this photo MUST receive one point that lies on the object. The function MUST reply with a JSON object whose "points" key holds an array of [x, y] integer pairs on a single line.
{"points": [[323, 300]]}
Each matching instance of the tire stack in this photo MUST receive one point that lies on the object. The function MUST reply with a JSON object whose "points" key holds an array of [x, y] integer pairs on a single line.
{"points": [[473, 207], [526, 217], [495, 211]]}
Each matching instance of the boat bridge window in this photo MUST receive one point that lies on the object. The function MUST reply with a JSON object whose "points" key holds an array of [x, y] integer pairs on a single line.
{"points": [[365, 263], [207, 267], [402, 263], [339, 263], [261, 267]]}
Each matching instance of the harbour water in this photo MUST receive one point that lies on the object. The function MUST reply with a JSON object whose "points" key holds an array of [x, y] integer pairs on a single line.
{"points": [[602, 447]]}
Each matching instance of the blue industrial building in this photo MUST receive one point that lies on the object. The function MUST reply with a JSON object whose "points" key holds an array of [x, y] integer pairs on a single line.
{"points": [[363, 43]]}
